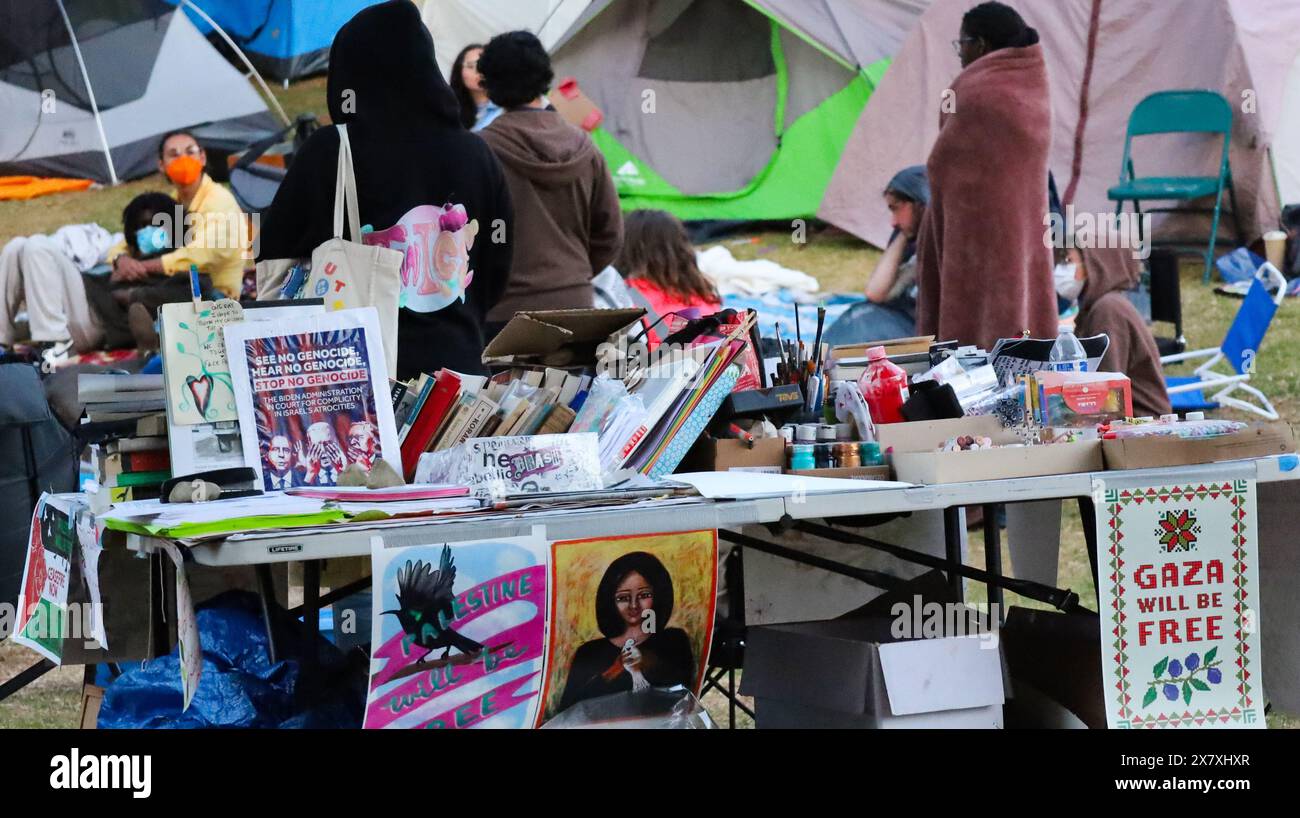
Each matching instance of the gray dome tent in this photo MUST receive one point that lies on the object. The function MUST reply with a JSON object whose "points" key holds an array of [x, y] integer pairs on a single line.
{"points": [[88, 87]]}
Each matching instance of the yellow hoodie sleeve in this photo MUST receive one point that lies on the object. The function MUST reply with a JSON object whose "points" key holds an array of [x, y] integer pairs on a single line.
{"points": [[216, 241], [116, 250]]}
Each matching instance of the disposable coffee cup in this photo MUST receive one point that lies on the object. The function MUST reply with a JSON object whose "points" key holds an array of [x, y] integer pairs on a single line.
{"points": [[1275, 247]]}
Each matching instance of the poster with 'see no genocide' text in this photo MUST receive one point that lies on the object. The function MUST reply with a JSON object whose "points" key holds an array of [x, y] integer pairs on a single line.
{"points": [[313, 397]]}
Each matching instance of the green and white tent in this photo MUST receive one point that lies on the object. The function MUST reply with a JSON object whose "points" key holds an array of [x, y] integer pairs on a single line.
{"points": [[730, 109]]}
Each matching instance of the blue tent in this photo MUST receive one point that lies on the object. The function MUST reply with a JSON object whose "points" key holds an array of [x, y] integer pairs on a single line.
{"points": [[284, 39]]}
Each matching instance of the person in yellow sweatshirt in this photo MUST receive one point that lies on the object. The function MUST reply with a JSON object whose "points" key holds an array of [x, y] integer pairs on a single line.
{"points": [[214, 236]]}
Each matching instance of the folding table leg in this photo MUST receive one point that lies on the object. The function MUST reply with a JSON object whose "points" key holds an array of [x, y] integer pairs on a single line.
{"points": [[731, 698], [266, 591], [993, 558], [25, 677], [952, 544], [310, 619], [164, 602], [1088, 514]]}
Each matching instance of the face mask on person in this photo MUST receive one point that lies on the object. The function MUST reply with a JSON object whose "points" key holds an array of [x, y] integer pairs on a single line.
{"points": [[1067, 286], [151, 240], [184, 170]]}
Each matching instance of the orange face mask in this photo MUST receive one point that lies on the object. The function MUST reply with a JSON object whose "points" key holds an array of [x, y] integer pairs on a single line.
{"points": [[184, 170]]}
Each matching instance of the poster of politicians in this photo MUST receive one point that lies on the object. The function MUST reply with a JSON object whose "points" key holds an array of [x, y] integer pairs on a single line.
{"points": [[313, 397], [459, 634], [1179, 601]]}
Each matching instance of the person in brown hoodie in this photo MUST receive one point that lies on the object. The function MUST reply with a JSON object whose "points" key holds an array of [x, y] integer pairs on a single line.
{"points": [[1103, 307], [568, 226]]}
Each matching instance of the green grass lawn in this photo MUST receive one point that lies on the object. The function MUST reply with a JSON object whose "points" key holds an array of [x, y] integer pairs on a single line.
{"points": [[841, 263]]}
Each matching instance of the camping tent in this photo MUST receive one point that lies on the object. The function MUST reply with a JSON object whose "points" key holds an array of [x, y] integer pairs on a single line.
{"points": [[285, 39], [714, 109], [1286, 150], [1103, 57], [457, 23], [730, 109], [88, 87]]}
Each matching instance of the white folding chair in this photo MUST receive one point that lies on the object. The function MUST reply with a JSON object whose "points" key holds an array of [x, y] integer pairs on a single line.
{"points": [[1238, 351]]}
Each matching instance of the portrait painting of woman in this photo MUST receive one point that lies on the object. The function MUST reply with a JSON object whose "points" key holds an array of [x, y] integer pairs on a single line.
{"points": [[631, 618], [638, 647]]}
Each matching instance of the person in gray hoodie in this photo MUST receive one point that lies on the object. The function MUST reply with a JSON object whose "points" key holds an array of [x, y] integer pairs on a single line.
{"points": [[568, 226]]}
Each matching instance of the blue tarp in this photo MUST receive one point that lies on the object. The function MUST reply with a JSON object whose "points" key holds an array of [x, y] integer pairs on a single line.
{"points": [[240, 686], [285, 39], [779, 306]]}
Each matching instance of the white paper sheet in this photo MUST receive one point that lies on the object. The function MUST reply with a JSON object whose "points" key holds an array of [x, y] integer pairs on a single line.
{"points": [[187, 630], [153, 512], [412, 506], [734, 485]]}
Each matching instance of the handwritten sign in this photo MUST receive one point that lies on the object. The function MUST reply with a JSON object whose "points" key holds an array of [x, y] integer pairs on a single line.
{"points": [[1178, 597], [459, 632], [194, 360]]}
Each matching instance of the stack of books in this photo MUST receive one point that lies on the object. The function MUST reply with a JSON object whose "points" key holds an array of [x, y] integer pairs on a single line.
{"points": [[650, 428], [645, 422], [443, 410], [129, 457], [120, 397], [132, 466]]}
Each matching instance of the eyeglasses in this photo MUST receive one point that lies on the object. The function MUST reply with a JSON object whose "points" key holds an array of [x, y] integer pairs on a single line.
{"points": [[190, 150], [957, 44]]}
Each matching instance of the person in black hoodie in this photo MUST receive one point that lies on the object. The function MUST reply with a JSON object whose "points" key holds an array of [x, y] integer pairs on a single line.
{"points": [[428, 187]]}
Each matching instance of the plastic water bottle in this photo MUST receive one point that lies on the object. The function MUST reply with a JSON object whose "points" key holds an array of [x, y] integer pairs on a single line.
{"points": [[1067, 353]]}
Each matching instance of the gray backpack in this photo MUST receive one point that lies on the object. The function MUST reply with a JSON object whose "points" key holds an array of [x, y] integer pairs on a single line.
{"points": [[36, 455]]}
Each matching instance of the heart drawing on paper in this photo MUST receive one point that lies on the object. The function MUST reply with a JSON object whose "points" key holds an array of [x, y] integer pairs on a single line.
{"points": [[201, 389]]}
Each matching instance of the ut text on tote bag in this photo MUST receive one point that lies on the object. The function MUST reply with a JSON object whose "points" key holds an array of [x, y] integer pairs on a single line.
{"points": [[349, 274]]}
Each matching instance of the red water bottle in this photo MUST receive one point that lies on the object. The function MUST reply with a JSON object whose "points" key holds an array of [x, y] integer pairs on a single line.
{"points": [[884, 386]]}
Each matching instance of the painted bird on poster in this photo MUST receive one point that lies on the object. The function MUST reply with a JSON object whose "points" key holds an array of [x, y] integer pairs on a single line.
{"points": [[424, 599]]}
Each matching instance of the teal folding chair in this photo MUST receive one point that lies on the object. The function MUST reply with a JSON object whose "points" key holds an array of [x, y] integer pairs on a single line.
{"points": [[1166, 112]]}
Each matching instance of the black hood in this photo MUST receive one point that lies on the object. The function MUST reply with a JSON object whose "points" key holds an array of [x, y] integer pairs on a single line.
{"points": [[382, 71]]}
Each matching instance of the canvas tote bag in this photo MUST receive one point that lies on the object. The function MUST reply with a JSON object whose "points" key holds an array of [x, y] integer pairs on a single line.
{"points": [[346, 273]]}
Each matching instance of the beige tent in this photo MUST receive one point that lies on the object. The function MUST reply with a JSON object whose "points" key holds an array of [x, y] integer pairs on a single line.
{"points": [[1245, 49], [457, 23]]}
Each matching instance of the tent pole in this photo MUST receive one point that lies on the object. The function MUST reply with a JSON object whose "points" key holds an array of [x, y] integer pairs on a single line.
{"points": [[90, 91], [252, 71]]}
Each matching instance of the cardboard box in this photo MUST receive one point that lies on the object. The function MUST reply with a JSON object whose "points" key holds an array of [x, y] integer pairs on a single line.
{"points": [[711, 454], [1083, 399], [850, 473], [894, 346], [916, 457], [557, 337], [1260, 440], [575, 106], [854, 673]]}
